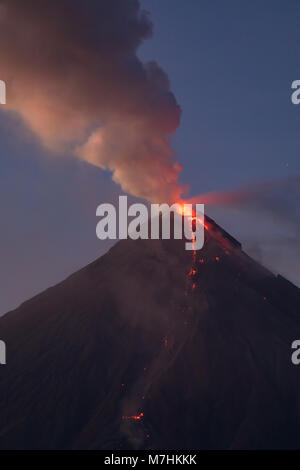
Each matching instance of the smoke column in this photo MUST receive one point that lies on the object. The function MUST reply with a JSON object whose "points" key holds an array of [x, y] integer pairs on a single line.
{"points": [[73, 75]]}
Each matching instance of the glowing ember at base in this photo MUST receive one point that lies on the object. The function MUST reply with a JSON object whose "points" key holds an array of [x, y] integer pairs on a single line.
{"points": [[134, 417]]}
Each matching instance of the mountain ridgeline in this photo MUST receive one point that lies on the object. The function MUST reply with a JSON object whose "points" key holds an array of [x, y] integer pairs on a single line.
{"points": [[155, 347]]}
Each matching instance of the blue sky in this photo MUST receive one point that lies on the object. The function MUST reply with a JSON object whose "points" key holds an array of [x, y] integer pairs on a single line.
{"points": [[231, 65]]}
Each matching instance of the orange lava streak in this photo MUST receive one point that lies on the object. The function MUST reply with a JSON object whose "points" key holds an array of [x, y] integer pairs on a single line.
{"points": [[134, 417], [191, 214]]}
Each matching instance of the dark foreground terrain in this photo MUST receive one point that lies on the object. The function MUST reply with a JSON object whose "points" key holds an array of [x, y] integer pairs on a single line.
{"points": [[155, 347]]}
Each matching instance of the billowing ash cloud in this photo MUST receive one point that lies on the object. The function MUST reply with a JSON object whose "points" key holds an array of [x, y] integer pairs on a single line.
{"points": [[73, 75]]}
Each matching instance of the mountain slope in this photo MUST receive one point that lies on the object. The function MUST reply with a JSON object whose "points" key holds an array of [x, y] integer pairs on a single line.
{"points": [[152, 346]]}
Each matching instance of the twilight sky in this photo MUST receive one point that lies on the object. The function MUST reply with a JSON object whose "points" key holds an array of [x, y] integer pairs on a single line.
{"points": [[230, 66]]}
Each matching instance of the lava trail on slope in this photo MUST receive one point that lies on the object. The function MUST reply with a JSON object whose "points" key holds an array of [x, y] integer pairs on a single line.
{"points": [[155, 347]]}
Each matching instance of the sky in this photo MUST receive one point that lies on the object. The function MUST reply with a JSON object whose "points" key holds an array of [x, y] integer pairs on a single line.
{"points": [[230, 66]]}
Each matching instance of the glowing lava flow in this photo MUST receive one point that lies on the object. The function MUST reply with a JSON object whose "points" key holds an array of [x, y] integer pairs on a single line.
{"points": [[134, 417], [190, 213], [187, 211], [174, 337], [172, 340]]}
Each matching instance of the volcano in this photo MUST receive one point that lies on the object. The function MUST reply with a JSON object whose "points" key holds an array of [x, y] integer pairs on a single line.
{"points": [[155, 347]]}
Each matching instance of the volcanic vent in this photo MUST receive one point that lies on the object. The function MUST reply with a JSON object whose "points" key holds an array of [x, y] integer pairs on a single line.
{"points": [[155, 347]]}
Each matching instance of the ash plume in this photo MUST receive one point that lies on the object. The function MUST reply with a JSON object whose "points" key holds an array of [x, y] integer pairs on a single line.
{"points": [[277, 199], [73, 75]]}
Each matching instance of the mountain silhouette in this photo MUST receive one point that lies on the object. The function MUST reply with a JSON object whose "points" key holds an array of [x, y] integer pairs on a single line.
{"points": [[155, 347]]}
